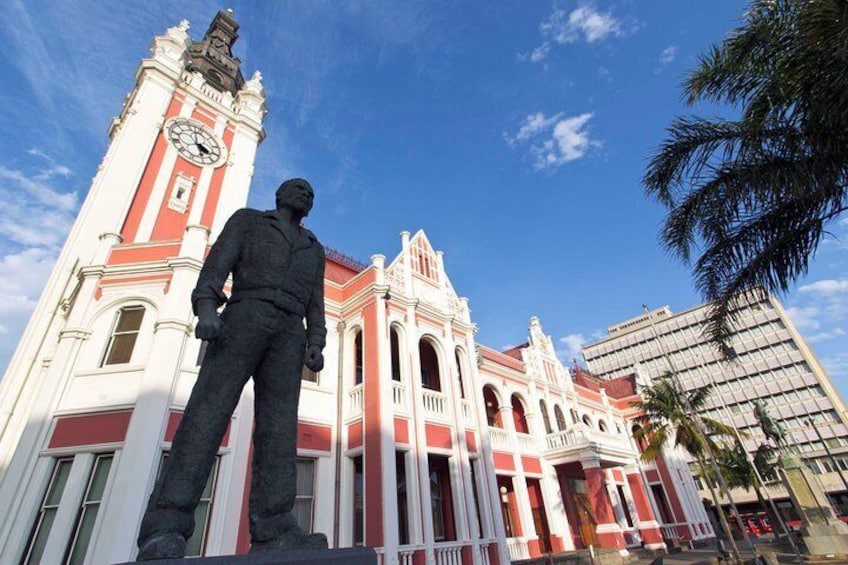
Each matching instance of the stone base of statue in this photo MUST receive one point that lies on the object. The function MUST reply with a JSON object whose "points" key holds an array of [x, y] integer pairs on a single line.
{"points": [[346, 556], [822, 532]]}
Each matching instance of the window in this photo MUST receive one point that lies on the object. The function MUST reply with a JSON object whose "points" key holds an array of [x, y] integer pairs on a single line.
{"points": [[395, 345], [90, 506], [47, 513], [308, 374], [358, 502], [305, 497], [518, 415], [180, 193], [440, 498], [122, 341], [196, 544], [430, 377], [493, 416], [474, 464], [85, 503], [560, 418], [357, 358], [459, 374], [545, 418], [402, 506]]}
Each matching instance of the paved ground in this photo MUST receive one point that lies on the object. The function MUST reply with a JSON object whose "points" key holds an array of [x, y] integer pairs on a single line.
{"points": [[690, 556]]}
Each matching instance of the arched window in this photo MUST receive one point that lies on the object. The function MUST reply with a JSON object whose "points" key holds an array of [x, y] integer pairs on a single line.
{"points": [[121, 343], [587, 420], [560, 417], [641, 442], [545, 418], [459, 372], [493, 413], [574, 417], [358, 365], [602, 426], [395, 346], [518, 415], [429, 366]]}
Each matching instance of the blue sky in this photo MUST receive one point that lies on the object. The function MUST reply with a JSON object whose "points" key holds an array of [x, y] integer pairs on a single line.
{"points": [[514, 133]]}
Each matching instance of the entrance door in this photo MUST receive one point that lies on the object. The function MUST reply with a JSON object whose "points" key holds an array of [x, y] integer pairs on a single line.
{"points": [[587, 523], [540, 519]]}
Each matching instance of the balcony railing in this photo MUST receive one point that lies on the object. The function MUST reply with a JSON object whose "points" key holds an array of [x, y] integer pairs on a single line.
{"points": [[399, 396], [467, 413], [526, 443], [449, 552], [355, 401], [582, 436], [435, 404], [483, 550], [517, 548], [500, 439]]}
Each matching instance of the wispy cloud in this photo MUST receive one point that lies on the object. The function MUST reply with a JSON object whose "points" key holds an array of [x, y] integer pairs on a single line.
{"points": [[38, 212], [584, 23], [826, 287], [571, 347], [554, 141], [825, 336], [668, 55], [805, 317]]}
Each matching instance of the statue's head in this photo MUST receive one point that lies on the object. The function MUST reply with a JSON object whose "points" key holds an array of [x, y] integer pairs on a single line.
{"points": [[297, 195]]}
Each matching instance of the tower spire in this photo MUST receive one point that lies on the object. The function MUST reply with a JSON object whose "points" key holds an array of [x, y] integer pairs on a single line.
{"points": [[213, 56]]}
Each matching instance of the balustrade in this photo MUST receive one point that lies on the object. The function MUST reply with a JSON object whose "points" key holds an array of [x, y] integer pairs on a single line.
{"points": [[517, 548], [500, 439], [355, 397], [399, 396], [467, 414], [526, 443], [448, 553], [435, 403], [483, 551]]}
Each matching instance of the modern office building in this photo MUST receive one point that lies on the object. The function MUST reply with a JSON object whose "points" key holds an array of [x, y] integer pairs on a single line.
{"points": [[413, 439], [773, 364]]}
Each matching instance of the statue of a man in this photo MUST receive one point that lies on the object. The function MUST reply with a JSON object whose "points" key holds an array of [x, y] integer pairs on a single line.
{"points": [[278, 280]]}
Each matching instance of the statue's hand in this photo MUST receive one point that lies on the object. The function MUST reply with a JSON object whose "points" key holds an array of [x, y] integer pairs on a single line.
{"points": [[209, 327], [314, 359]]}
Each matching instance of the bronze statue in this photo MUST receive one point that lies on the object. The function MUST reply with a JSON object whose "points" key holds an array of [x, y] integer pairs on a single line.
{"points": [[772, 428], [278, 280]]}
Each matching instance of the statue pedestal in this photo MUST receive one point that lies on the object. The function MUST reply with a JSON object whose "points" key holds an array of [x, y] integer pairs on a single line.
{"points": [[347, 556], [822, 532]]}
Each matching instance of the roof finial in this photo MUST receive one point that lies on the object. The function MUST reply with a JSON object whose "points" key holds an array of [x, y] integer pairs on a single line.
{"points": [[183, 25]]}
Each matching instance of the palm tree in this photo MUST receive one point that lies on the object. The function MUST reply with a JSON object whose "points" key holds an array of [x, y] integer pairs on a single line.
{"points": [[754, 195], [739, 472], [667, 411]]}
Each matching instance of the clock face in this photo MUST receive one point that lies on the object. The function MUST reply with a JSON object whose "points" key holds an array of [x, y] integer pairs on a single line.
{"points": [[195, 142]]}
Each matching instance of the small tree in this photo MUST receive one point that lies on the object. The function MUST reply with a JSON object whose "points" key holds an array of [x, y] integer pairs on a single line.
{"points": [[669, 412]]}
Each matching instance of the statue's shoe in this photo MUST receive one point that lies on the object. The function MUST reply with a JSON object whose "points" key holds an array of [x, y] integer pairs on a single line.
{"points": [[162, 546], [294, 538]]}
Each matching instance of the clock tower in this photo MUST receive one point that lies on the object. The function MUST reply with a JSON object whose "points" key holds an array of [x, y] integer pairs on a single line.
{"points": [[106, 363]]}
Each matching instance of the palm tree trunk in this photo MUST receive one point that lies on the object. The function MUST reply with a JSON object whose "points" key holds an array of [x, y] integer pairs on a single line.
{"points": [[717, 504]]}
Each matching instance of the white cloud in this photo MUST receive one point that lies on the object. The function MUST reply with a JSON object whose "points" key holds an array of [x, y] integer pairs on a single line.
{"points": [[533, 125], [826, 287], [836, 365], [668, 55], [540, 52], [583, 22], [555, 140], [604, 73], [824, 336], [572, 343], [804, 317]]}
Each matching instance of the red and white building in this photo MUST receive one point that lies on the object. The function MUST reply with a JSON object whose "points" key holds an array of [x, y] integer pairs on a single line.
{"points": [[414, 439]]}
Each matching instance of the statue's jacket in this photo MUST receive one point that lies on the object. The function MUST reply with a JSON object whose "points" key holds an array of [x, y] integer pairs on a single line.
{"points": [[270, 260]]}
